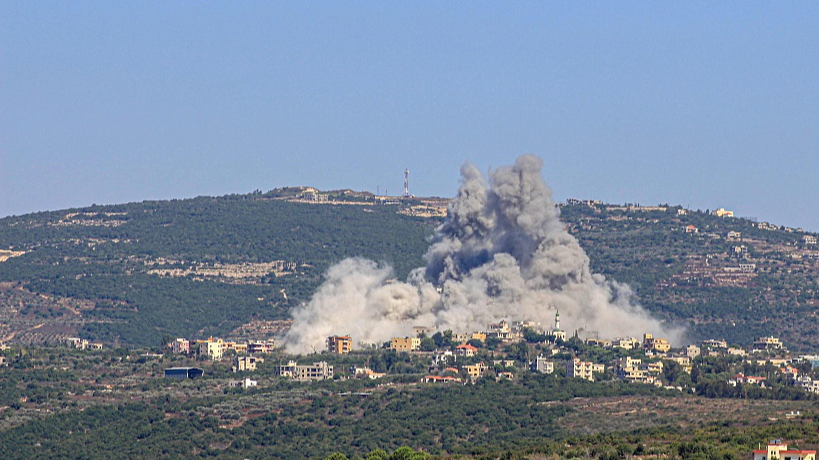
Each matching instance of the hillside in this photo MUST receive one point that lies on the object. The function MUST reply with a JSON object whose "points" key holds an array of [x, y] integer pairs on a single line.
{"points": [[134, 273]]}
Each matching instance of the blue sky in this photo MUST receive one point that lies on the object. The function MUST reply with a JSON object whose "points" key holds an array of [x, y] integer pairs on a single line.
{"points": [[704, 104]]}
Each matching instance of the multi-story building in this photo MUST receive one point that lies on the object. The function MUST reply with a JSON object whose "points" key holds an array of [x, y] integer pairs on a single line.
{"points": [[466, 349], [405, 344], [245, 363], [655, 344], [261, 347], [628, 343], [476, 370], [339, 344], [769, 344], [543, 365], [584, 370], [181, 346], [212, 348], [303, 372]]}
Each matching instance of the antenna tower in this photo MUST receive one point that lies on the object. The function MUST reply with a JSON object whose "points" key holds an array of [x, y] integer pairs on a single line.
{"points": [[406, 183]]}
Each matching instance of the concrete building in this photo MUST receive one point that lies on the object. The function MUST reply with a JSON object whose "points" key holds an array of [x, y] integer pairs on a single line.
{"points": [[767, 344], [476, 370], [212, 348], [584, 370], [466, 350], [245, 363], [260, 347], [778, 450], [405, 344], [181, 346], [339, 344], [542, 365], [655, 344], [304, 372]]}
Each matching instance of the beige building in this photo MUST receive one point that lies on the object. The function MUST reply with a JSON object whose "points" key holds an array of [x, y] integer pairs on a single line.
{"points": [[405, 344], [304, 372], [584, 370], [476, 370], [777, 450], [245, 363], [655, 344], [212, 348], [339, 344]]}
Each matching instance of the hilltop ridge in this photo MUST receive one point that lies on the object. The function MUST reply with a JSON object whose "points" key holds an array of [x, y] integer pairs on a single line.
{"points": [[133, 273]]}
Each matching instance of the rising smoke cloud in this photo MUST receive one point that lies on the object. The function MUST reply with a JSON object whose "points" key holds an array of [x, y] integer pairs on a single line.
{"points": [[502, 253]]}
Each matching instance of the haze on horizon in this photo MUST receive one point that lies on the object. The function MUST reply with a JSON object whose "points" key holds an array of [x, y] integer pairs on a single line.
{"points": [[701, 105]]}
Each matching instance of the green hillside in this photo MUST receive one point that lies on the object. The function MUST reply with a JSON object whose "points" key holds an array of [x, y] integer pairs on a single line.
{"points": [[134, 273]]}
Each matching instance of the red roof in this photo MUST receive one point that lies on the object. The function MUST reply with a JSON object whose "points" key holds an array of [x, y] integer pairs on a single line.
{"points": [[466, 346]]}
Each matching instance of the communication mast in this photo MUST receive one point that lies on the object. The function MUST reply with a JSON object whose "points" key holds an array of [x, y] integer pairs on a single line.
{"points": [[406, 183]]}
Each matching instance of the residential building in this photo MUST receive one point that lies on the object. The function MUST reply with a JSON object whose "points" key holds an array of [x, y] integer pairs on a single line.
{"points": [[339, 344], [655, 344], [466, 350], [245, 363], [628, 343], [809, 239], [778, 450], [721, 212], [501, 331], [460, 338], [692, 351], [691, 229], [260, 347], [366, 372], [405, 344], [747, 380], [422, 330], [246, 383], [542, 365], [734, 234], [443, 357], [181, 346], [304, 372], [767, 344], [212, 348], [584, 370], [476, 370]]}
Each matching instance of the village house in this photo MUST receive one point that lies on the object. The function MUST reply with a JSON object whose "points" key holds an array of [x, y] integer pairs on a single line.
{"points": [[741, 379], [584, 370], [655, 344], [181, 346], [246, 383], [212, 348], [443, 357], [767, 344], [245, 363], [628, 343], [366, 372], [542, 365], [339, 344], [777, 450], [260, 347], [304, 372], [405, 344], [476, 370], [466, 350], [691, 229]]}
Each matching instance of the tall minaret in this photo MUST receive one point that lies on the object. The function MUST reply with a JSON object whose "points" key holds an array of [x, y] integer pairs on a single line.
{"points": [[557, 320], [406, 183]]}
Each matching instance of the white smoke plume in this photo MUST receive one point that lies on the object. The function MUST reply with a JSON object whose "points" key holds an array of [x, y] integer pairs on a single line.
{"points": [[502, 253]]}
